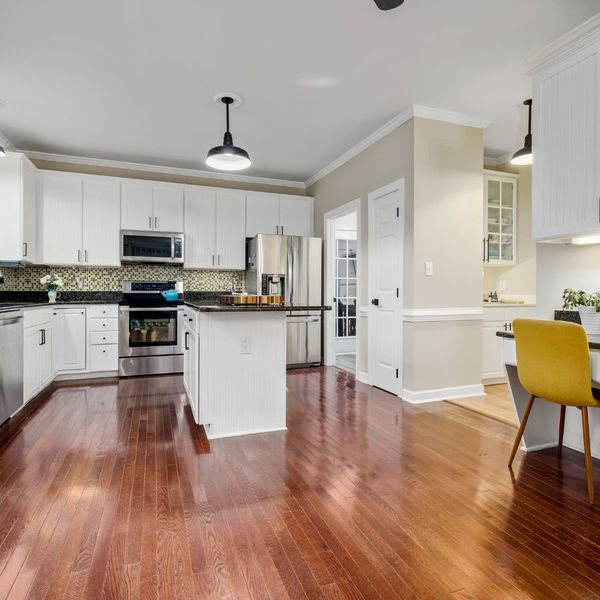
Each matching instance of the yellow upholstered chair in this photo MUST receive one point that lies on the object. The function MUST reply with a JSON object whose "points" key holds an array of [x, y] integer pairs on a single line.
{"points": [[553, 363]]}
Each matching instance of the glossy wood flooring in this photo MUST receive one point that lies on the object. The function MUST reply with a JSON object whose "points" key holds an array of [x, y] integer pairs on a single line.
{"points": [[109, 491], [496, 404]]}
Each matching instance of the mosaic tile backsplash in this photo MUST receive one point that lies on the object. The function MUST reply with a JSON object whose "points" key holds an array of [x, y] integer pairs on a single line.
{"points": [[109, 280]]}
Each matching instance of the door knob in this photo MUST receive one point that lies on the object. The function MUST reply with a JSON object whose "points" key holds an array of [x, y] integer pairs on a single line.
{"points": [[375, 302]]}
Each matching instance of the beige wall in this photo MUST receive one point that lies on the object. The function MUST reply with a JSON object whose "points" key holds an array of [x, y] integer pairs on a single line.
{"points": [[153, 176], [520, 278]]}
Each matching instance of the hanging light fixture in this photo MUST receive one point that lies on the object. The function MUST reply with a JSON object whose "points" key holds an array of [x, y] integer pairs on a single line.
{"points": [[227, 157], [524, 156]]}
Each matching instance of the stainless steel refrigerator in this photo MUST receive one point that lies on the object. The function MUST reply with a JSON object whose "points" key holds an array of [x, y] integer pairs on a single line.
{"points": [[290, 266]]}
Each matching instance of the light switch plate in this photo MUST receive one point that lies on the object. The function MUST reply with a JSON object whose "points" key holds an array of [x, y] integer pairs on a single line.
{"points": [[428, 269], [245, 345]]}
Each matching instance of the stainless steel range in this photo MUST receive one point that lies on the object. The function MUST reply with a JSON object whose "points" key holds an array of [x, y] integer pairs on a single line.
{"points": [[150, 328]]}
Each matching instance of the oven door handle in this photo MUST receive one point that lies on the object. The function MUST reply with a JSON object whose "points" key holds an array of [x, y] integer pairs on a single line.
{"points": [[150, 308]]}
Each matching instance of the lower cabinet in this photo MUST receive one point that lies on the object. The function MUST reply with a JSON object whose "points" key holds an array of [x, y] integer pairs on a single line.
{"points": [[69, 339], [103, 338], [38, 371], [191, 366]]}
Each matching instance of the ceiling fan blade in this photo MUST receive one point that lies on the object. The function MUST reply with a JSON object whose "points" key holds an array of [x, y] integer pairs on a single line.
{"points": [[387, 4]]}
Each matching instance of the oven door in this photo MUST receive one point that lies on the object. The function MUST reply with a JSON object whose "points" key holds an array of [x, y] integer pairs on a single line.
{"points": [[147, 331]]}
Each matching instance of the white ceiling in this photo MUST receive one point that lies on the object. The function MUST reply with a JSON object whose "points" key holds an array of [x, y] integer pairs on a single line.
{"points": [[134, 80]]}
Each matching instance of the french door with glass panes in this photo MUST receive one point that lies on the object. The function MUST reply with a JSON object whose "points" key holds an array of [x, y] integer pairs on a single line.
{"points": [[500, 220], [345, 289]]}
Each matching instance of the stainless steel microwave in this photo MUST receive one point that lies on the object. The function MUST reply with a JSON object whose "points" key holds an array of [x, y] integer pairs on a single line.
{"points": [[152, 247]]}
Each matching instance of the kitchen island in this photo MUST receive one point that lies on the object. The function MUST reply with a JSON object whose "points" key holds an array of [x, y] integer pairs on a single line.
{"points": [[542, 426], [235, 366]]}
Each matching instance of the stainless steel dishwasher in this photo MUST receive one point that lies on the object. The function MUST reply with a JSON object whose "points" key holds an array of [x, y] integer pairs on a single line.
{"points": [[11, 363]]}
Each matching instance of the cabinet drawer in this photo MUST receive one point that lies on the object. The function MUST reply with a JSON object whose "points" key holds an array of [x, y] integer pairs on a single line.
{"points": [[104, 358], [104, 324], [190, 319], [103, 311], [98, 338]]}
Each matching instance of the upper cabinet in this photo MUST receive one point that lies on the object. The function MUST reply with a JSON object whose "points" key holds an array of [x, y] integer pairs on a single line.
{"points": [[500, 219], [284, 215], [150, 206], [566, 142], [215, 225], [80, 220], [18, 195]]}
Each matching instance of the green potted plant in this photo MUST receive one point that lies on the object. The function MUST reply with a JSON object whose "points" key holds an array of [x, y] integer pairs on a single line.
{"points": [[587, 305]]}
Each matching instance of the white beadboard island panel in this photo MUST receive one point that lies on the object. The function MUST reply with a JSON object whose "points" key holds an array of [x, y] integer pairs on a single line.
{"points": [[242, 393]]}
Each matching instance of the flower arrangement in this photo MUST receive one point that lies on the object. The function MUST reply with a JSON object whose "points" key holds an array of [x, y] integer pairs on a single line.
{"points": [[52, 282], [573, 299]]}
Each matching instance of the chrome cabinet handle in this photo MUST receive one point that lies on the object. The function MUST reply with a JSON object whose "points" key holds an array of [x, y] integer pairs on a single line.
{"points": [[86, 256], [150, 222], [78, 256], [213, 260], [218, 260], [187, 335], [155, 222], [41, 340], [24, 248]]}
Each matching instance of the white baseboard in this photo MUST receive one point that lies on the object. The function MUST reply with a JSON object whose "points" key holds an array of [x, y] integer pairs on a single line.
{"points": [[363, 377], [537, 447], [73, 376], [220, 436], [436, 395]]}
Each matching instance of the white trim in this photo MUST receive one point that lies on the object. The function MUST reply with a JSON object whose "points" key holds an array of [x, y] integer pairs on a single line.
{"points": [[415, 110], [6, 143], [504, 159], [537, 447], [422, 315], [501, 174], [372, 196], [329, 218], [363, 311], [439, 394], [490, 162], [116, 164], [245, 432], [363, 377], [567, 44]]}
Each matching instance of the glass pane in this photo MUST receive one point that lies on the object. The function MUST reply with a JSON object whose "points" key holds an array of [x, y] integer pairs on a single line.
{"points": [[352, 308], [351, 327], [352, 268], [152, 328], [351, 248], [342, 251], [494, 192], [342, 288], [494, 247], [341, 327], [507, 193], [493, 228], [342, 268], [342, 309], [146, 246], [507, 252], [352, 288]]}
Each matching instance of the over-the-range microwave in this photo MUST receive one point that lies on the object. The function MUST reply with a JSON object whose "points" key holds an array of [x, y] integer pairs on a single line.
{"points": [[152, 247]]}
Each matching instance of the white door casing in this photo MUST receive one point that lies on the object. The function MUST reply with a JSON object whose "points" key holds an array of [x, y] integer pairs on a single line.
{"points": [[386, 260]]}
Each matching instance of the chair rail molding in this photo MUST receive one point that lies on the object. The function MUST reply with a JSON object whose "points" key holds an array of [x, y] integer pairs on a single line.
{"points": [[420, 315]]}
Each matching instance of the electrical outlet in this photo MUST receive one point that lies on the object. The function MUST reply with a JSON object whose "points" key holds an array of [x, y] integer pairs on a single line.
{"points": [[502, 285], [428, 269], [245, 345]]}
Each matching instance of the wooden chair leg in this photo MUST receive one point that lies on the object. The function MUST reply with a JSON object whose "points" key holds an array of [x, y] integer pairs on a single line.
{"points": [[588, 453], [561, 428], [521, 430]]}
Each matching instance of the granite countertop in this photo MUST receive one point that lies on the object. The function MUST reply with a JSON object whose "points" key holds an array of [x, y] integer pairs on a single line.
{"points": [[215, 307], [593, 340]]}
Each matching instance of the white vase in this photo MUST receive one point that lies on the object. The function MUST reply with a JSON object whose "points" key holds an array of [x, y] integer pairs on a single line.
{"points": [[52, 295], [590, 319]]}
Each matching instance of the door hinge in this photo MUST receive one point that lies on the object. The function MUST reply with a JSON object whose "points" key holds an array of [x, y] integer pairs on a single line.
{"points": [[396, 373]]}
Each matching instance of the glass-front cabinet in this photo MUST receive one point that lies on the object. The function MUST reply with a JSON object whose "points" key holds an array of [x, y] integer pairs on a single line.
{"points": [[500, 219]]}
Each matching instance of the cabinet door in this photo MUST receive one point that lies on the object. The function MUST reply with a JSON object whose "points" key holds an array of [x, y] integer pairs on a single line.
{"points": [[566, 147], [491, 359], [296, 215], [30, 204], [101, 222], [45, 354], [500, 221], [200, 226], [231, 227], [61, 219], [137, 198], [168, 207], [194, 370], [262, 213], [31, 362], [11, 247], [69, 339]]}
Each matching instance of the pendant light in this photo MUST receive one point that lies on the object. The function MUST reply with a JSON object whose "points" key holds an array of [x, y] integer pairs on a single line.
{"points": [[524, 156], [228, 157]]}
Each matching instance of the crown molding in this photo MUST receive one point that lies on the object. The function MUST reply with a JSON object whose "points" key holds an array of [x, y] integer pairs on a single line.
{"points": [[572, 41], [415, 110], [116, 164], [6, 143], [490, 162]]}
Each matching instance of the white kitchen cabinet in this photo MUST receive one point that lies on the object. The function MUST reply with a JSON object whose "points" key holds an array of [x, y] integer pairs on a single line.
{"points": [[215, 225], [101, 222], [296, 215], [191, 366], [566, 142], [103, 338], [500, 219], [80, 220], [272, 213], [18, 194], [152, 206], [69, 344], [38, 371]]}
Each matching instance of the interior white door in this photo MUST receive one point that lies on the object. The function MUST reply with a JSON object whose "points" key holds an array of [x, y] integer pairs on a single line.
{"points": [[262, 213], [137, 209], [168, 207], [101, 222], [61, 219], [231, 226], [296, 215], [69, 339], [200, 227], [385, 261]]}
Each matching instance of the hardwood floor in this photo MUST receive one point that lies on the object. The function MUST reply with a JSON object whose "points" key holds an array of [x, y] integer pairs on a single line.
{"points": [[496, 404], [110, 491]]}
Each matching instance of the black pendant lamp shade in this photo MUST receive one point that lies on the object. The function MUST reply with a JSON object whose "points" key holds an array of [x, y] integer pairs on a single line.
{"points": [[228, 157], [2, 152], [524, 156]]}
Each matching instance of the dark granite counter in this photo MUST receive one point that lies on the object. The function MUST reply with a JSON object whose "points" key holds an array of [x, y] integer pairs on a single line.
{"points": [[215, 307], [33, 298], [593, 340]]}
